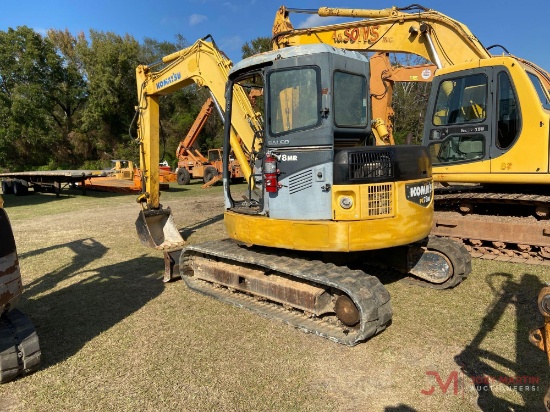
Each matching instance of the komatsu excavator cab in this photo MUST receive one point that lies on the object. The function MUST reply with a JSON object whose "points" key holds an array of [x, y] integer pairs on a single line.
{"points": [[317, 177], [476, 117]]}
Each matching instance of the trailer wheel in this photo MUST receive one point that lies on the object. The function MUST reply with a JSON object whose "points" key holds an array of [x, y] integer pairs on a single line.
{"points": [[19, 189], [183, 176], [209, 173], [7, 188]]}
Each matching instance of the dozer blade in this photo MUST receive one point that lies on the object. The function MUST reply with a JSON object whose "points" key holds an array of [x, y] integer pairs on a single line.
{"points": [[156, 229]]}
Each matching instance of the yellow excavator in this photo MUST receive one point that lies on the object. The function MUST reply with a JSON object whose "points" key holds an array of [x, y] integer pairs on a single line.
{"points": [[317, 195], [486, 126]]}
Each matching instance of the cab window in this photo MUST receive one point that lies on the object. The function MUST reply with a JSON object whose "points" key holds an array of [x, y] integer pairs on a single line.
{"points": [[508, 113], [350, 100], [294, 99], [461, 100], [458, 148], [543, 96]]}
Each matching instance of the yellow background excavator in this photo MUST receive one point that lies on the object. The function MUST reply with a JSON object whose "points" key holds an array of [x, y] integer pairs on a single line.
{"points": [[316, 193], [486, 125]]}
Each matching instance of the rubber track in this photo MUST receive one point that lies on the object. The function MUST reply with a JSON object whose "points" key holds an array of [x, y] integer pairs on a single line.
{"points": [[369, 295], [507, 255], [19, 347]]}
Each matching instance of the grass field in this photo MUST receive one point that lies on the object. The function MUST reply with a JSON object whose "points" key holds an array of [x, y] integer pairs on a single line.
{"points": [[114, 337]]}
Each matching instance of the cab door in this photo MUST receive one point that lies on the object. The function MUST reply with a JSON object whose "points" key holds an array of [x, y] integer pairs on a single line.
{"points": [[459, 126]]}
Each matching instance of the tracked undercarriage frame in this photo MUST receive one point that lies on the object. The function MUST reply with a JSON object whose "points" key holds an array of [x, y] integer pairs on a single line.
{"points": [[19, 346], [344, 305], [510, 227]]}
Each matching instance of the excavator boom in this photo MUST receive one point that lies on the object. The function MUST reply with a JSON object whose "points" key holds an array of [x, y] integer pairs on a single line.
{"points": [[204, 65], [187, 145], [413, 29], [201, 64]]}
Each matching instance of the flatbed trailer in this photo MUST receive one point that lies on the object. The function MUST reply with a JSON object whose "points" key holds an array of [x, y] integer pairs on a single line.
{"points": [[18, 183]]}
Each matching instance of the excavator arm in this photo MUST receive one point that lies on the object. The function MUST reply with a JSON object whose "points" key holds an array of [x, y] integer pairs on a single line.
{"points": [[201, 64], [187, 145], [382, 81], [414, 29]]}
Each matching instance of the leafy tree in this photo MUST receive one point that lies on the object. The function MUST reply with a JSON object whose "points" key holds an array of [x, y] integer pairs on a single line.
{"points": [[409, 103], [70, 93], [152, 51], [109, 63], [29, 73], [257, 45]]}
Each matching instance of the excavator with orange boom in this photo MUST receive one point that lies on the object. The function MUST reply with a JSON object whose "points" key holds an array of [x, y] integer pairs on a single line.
{"points": [[316, 196], [193, 164], [487, 124]]}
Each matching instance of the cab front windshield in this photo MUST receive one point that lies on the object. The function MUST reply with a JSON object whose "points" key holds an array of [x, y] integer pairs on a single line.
{"points": [[294, 99]]}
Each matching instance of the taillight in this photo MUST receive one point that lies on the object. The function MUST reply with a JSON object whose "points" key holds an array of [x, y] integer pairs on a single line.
{"points": [[270, 174]]}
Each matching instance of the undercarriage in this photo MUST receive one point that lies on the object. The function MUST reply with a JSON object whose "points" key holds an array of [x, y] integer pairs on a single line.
{"points": [[502, 225], [338, 302]]}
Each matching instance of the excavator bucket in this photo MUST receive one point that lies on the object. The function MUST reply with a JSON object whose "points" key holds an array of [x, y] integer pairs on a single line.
{"points": [[156, 229]]}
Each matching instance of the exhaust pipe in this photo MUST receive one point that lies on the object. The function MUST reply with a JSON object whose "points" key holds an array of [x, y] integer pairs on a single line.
{"points": [[156, 229]]}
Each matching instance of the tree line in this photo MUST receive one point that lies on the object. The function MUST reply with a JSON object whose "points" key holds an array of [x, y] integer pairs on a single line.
{"points": [[67, 101]]}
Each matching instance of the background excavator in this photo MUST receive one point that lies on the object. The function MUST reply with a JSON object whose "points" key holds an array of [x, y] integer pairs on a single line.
{"points": [[486, 125], [317, 195], [19, 347], [193, 164]]}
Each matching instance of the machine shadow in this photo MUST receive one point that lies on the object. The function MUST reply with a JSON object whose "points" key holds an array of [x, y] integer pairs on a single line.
{"points": [[483, 368], [187, 231], [69, 317], [84, 251]]}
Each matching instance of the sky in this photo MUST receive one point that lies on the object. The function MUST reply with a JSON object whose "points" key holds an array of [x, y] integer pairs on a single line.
{"points": [[521, 26]]}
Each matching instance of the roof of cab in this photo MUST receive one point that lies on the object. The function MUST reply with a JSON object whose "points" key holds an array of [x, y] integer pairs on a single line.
{"points": [[293, 51]]}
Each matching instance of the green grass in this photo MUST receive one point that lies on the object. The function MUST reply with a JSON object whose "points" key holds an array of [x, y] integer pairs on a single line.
{"points": [[114, 337]]}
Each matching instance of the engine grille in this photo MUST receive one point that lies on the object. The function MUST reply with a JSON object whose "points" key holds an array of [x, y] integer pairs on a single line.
{"points": [[300, 181], [370, 164], [380, 200]]}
